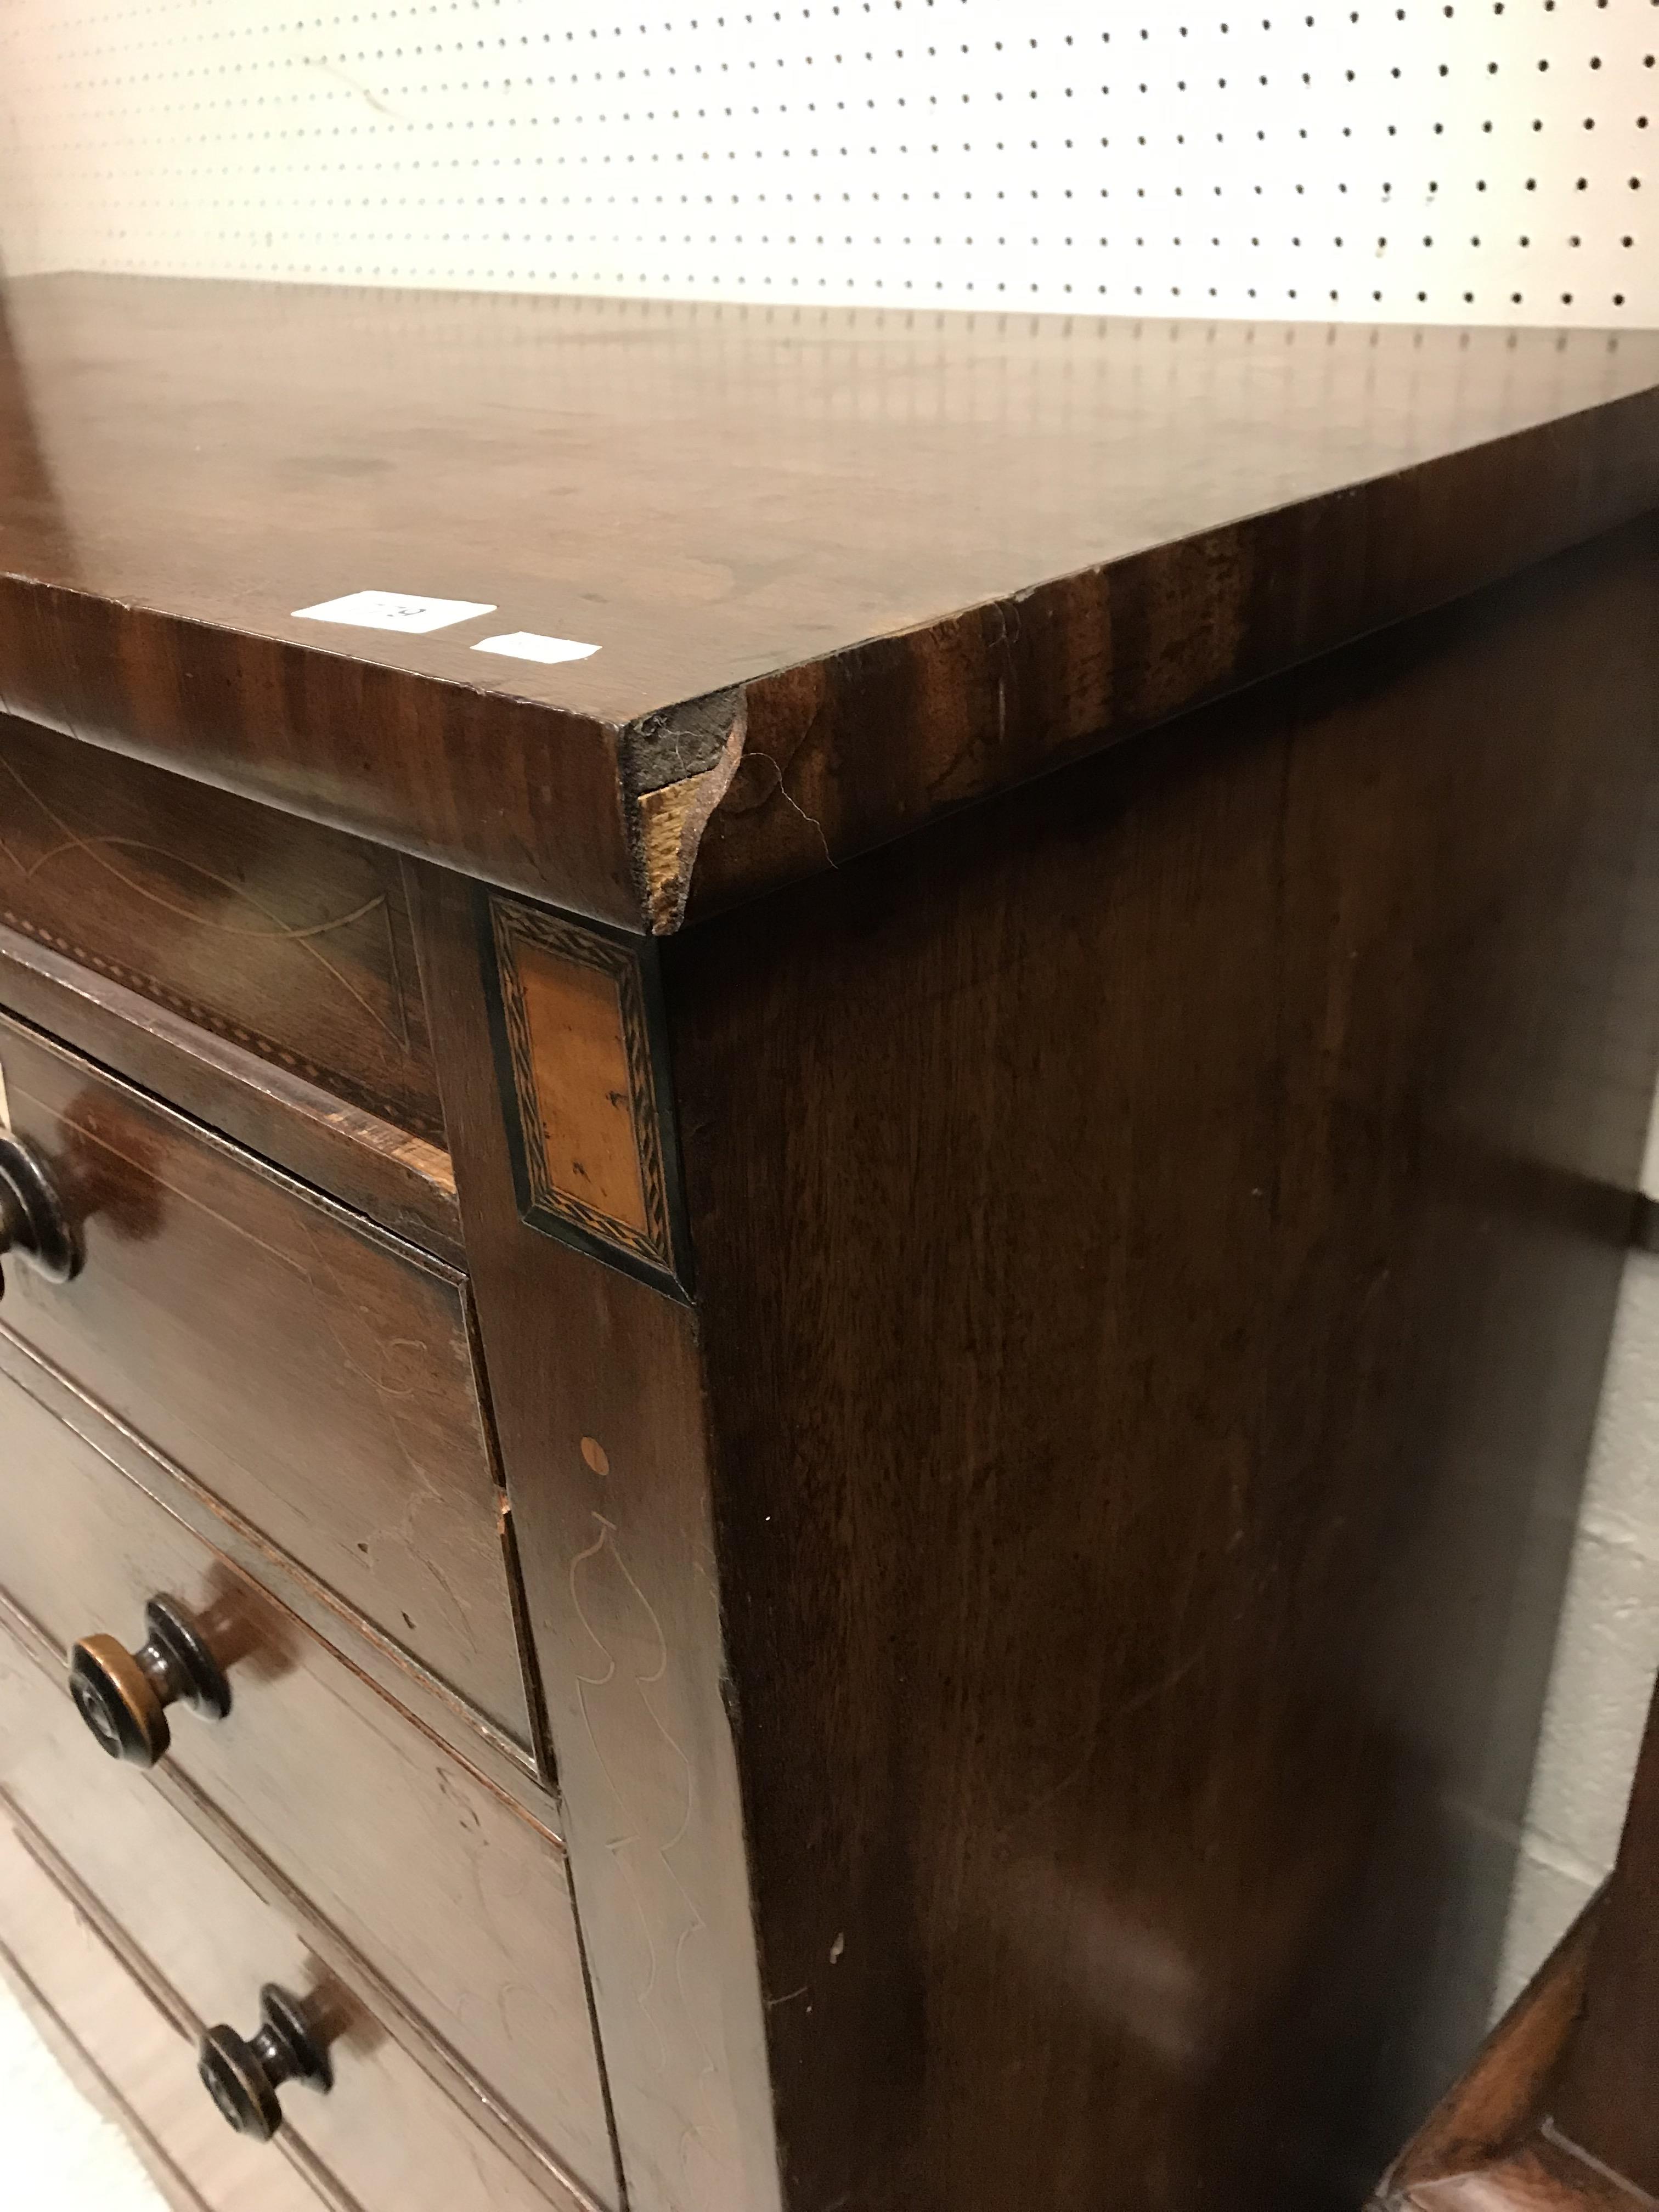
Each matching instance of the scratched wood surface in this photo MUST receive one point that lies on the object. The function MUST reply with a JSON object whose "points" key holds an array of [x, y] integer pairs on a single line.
{"points": [[125, 2049], [331, 1403], [435, 1706], [843, 570], [386, 2133], [1157, 1241], [444, 1889], [1017, 1648], [400, 1180], [599, 1400], [277, 935]]}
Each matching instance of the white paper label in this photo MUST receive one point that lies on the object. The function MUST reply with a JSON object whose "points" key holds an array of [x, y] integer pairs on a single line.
{"points": [[529, 644], [393, 611]]}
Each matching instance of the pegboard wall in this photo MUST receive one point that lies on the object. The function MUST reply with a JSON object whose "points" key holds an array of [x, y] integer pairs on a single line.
{"points": [[1432, 161]]}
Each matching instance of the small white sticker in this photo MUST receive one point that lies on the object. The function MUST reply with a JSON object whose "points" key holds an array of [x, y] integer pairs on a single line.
{"points": [[393, 611], [527, 645]]}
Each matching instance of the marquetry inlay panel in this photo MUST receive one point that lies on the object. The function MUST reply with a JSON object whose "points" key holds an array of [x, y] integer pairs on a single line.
{"points": [[289, 939], [588, 1099]]}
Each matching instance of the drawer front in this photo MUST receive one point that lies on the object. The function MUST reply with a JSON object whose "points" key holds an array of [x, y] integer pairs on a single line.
{"points": [[309, 1372], [451, 1894], [289, 939], [384, 2131], [130, 2052]]}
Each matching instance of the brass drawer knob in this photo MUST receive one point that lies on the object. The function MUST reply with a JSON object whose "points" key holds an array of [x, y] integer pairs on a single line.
{"points": [[122, 1695], [243, 2076], [33, 1223]]}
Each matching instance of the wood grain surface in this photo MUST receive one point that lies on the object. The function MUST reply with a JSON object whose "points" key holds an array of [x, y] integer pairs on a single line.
{"points": [[128, 2051], [331, 1403], [577, 1023], [400, 1180], [1492, 2109], [444, 1889], [281, 936], [437, 1708], [1540, 2175], [1492, 2144], [844, 570], [577, 1057], [385, 2132], [1157, 1241], [598, 1392], [1032, 1651]]}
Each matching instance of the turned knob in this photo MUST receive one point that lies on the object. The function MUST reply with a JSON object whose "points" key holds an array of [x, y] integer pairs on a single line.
{"points": [[243, 2076], [33, 1223], [122, 1695]]}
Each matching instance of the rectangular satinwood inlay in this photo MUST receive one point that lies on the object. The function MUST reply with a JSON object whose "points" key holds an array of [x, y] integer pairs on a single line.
{"points": [[591, 1147]]}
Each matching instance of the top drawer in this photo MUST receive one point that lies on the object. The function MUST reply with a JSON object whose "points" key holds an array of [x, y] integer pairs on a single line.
{"points": [[311, 1375], [291, 940]]}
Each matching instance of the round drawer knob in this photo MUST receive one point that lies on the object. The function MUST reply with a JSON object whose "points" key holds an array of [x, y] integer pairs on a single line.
{"points": [[243, 2076], [32, 1223], [122, 1695]]}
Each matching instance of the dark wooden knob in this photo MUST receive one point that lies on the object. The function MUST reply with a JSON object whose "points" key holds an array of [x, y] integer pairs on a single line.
{"points": [[243, 2076], [32, 1223], [123, 1696]]}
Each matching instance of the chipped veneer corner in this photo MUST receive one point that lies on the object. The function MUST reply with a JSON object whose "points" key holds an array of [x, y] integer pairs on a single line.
{"points": [[679, 766]]}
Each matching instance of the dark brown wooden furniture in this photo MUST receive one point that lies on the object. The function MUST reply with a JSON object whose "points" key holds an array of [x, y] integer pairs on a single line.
{"points": [[814, 1387], [1559, 2112]]}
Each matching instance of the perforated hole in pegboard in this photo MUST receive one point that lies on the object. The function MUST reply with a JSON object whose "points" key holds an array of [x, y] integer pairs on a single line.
{"points": [[1434, 160]]}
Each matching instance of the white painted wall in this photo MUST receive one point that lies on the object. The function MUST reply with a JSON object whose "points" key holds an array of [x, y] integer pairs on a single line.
{"points": [[1606, 1651], [1438, 159]]}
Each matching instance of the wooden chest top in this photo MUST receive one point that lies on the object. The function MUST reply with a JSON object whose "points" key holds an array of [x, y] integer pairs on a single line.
{"points": [[843, 570]]}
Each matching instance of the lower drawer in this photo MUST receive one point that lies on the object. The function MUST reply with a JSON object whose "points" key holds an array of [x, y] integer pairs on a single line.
{"points": [[385, 2133], [456, 1900], [128, 2050]]}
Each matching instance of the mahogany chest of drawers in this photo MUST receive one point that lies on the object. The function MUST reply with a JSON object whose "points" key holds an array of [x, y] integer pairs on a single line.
{"points": [[815, 1134]]}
